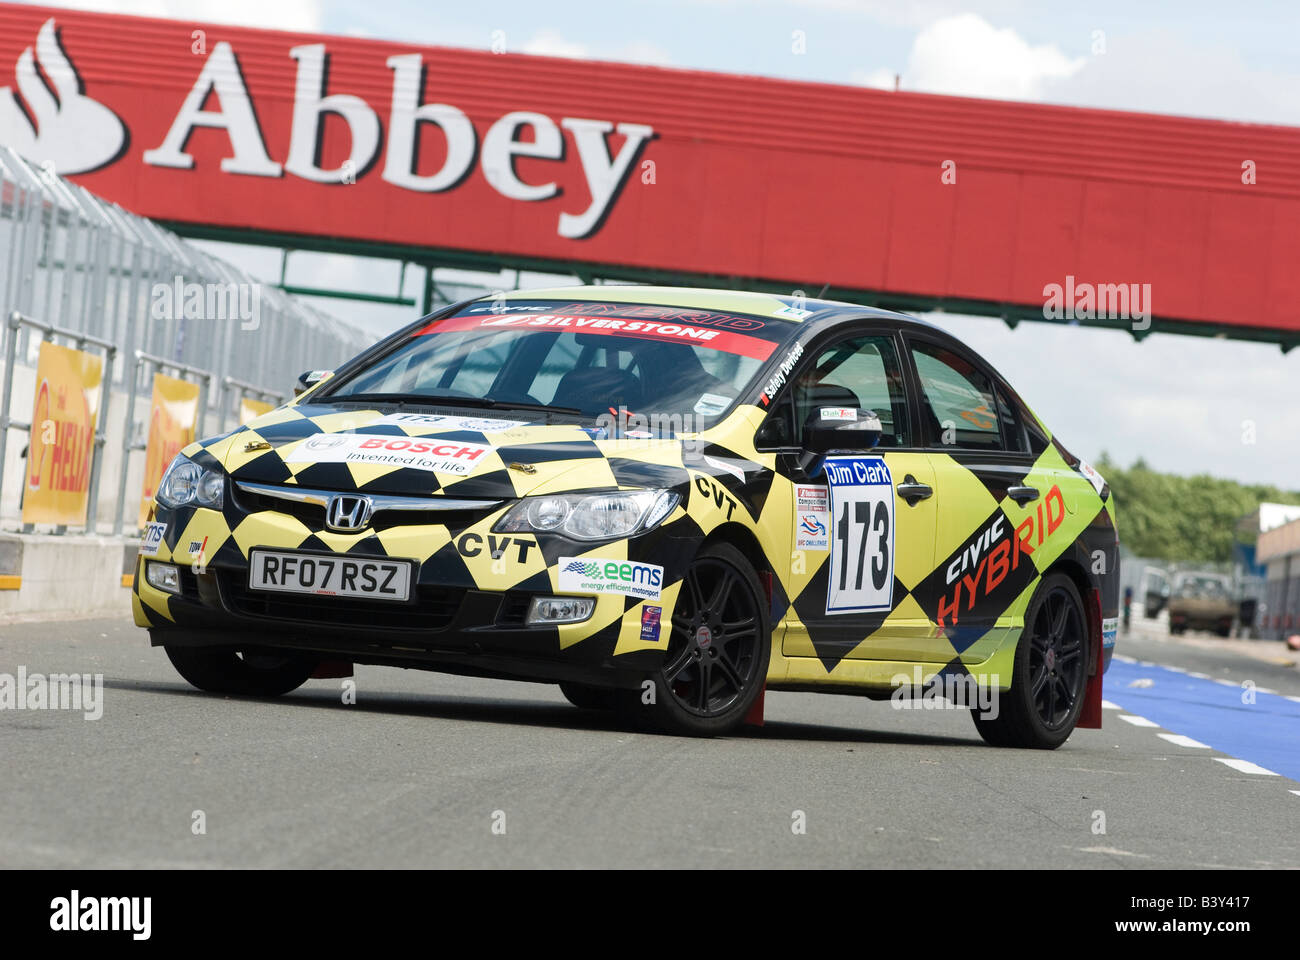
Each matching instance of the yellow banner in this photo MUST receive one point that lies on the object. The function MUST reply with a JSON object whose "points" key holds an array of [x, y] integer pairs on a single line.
{"points": [[250, 409], [172, 414], [64, 414]]}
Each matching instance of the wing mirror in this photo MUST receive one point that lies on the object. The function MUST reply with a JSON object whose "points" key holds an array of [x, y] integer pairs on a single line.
{"points": [[309, 379], [836, 429]]}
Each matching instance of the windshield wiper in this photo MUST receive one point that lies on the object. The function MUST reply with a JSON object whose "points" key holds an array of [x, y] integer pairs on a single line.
{"points": [[423, 399]]}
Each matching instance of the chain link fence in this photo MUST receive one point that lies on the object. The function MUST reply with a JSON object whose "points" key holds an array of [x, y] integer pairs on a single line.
{"points": [[73, 260]]}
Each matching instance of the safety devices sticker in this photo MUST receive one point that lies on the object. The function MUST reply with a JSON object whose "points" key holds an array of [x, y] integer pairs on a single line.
{"points": [[152, 539], [429, 421], [812, 518], [596, 575], [861, 574], [435, 456]]}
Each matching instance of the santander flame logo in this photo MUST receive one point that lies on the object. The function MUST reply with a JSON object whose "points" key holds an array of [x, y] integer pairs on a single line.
{"points": [[56, 123]]}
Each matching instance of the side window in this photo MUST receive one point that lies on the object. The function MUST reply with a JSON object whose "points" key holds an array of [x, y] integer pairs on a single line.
{"points": [[1013, 431], [860, 372], [957, 400]]}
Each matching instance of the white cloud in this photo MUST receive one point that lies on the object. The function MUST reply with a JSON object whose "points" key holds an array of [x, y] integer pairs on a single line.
{"points": [[300, 15], [551, 43], [882, 78], [967, 56], [1161, 73], [644, 52]]}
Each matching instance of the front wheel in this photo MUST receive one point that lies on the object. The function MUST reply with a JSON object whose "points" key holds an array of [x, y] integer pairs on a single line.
{"points": [[222, 670], [1049, 676], [718, 648]]}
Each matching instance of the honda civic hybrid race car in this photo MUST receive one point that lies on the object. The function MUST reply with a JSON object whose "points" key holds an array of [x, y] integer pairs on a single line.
{"points": [[664, 500]]}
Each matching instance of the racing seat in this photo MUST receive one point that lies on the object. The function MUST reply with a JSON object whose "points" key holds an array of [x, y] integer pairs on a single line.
{"points": [[595, 388]]}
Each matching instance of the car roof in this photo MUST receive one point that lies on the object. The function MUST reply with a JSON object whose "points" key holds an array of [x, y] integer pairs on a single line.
{"points": [[734, 301]]}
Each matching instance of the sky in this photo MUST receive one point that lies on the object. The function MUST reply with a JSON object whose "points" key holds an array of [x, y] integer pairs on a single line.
{"points": [[1184, 404]]}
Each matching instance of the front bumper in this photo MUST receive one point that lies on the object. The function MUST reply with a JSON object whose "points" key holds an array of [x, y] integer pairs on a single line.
{"points": [[473, 632], [466, 616]]}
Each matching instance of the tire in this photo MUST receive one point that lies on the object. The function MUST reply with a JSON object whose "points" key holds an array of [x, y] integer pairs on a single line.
{"points": [[719, 646], [1050, 674], [589, 698], [224, 670]]}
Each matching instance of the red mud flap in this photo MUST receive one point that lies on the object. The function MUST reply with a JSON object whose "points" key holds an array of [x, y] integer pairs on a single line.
{"points": [[1090, 715], [755, 716], [332, 670]]}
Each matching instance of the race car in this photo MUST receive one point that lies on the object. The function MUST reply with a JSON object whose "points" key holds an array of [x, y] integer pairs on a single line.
{"points": [[664, 500]]}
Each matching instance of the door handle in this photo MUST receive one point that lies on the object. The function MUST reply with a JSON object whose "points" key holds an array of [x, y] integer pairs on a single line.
{"points": [[1022, 495], [912, 491]]}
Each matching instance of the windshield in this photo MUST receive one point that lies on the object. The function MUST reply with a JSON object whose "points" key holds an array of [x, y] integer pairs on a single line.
{"points": [[663, 376]]}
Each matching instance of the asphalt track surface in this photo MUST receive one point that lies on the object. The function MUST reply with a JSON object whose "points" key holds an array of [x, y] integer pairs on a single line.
{"points": [[425, 770]]}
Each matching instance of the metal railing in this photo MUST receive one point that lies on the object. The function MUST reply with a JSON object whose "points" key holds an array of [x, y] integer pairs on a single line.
{"points": [[83, 264], [80, 340], [158, 364], [240, 389]]}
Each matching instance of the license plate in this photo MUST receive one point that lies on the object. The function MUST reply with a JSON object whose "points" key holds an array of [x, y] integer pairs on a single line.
{"points": [[330, 576]]}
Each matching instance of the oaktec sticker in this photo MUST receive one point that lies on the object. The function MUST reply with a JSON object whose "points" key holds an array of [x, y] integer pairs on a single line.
{"points": [[839, 413], [811, 518], [435, 456], [430, 422], [152, 539], [650, 624], [595, 575]]}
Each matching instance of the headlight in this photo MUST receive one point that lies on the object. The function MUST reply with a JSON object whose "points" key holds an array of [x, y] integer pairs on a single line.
{"points": [[185, 482], [590, 516]]}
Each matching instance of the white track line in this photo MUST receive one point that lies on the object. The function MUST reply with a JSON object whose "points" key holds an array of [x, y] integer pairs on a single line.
{"points": [[1138, 721], [1245, 766], [1107, 705], [1296, 792], [1178, 740]]}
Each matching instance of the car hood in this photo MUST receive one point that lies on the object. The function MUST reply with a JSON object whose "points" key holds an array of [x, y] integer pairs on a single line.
{"points": [[458, 453]]}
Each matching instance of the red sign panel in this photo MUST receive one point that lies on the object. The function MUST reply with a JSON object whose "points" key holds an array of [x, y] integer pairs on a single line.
{"points": [[807, 184]]}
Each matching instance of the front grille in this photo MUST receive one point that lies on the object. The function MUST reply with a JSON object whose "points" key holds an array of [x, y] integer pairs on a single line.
{"points": [[312, 515], [434, 607], [513, 609]]}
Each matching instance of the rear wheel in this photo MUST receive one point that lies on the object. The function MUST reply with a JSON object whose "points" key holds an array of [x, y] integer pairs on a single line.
{"points": [[718, 649], [222, 670], [1050, 673]]}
